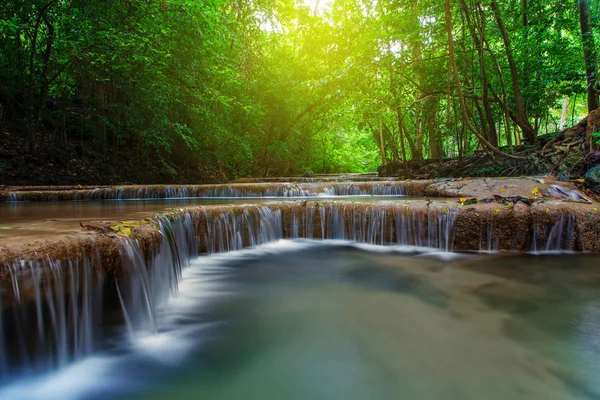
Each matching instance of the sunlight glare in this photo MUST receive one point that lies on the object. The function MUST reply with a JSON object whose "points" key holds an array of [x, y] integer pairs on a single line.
{"points": [[319, 5]]}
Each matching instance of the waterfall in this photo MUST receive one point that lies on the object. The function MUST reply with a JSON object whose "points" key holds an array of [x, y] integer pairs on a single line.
{"points": [[229, 231], [146, 285], [556, 236], [61, 324], [51, 310], [256, 190]]}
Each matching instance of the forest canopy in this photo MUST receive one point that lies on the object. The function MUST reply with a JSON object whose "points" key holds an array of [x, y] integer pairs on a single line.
{"points": [[279, 87]]}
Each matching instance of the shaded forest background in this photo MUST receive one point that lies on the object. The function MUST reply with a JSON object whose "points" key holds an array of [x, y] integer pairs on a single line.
{"points": [[148, 91]]}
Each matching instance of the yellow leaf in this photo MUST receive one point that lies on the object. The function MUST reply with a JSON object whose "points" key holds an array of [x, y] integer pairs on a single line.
{"points": [[503, 190], [463, 199], [477, 214], [510, 205], [497, 209], [547, 210], [126, 231], [115, 228], [535, 191], [131, 223], [594, 209], [446, 211]]}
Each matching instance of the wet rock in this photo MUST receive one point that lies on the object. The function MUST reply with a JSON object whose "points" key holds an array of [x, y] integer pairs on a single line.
{"points": [[562, 176], [592, 178]]}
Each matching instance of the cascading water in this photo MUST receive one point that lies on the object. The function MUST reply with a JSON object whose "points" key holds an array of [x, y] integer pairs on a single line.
{"points": [[561, 235], [287, 190], [60, 325], [52, 312], [147, 285]]}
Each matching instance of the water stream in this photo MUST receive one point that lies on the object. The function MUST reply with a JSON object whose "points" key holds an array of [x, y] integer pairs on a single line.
{"points": [[382, 309], [301, 319]]}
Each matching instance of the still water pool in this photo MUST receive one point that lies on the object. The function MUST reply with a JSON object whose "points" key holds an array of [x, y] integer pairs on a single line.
{"points": [[332, 320]]}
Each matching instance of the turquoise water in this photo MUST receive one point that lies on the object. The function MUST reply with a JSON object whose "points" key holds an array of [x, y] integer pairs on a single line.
{"points": [[330, 320]]}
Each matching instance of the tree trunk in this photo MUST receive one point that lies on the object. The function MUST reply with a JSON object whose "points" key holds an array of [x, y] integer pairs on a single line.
{"points": [[452, 58], [381, 146], [430, 111], [402, 148], [520, 117], [477, 33], [589, 54], [563, 114]]}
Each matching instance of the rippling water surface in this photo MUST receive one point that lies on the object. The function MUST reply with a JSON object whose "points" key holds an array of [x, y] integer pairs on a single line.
{"points": [[329, 320]]}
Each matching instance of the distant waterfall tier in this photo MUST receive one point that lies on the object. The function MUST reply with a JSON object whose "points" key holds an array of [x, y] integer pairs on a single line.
{"points": [[252, 190]]}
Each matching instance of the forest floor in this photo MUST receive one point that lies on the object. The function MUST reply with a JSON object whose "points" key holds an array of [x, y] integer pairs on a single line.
{"points": [[572, 165], [82, 164]]}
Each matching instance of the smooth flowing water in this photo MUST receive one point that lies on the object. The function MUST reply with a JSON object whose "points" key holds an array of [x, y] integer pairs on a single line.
{"points": [[302, 319], [21, 221]]}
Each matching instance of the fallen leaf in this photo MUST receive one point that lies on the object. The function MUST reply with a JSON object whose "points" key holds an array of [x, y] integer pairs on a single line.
{"points": [[547, 210], [446, 211], [594, 209], [126, 231], [497, 209], [536, 191], [511, 186], [503, 190], [6, 228], [463, 199]]}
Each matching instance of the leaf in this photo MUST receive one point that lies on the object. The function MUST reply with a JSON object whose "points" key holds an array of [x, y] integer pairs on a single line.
{"points": [[463, 199], [502, 190], [547, 210], [115, 228], [446, 211], [126, 231], [594, 209], [511, 186], [497, 210], [6, 228], [536, 191]]}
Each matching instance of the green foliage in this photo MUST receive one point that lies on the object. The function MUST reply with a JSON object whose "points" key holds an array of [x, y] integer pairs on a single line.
{"points": [[274, 88], [596, 136]]}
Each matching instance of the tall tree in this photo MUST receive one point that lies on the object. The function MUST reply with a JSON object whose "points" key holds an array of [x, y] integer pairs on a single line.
{"points": [[589, 54]]}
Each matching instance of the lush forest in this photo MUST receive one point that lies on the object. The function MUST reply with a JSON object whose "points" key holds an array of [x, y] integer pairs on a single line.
{"points": [[229, 88]]}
